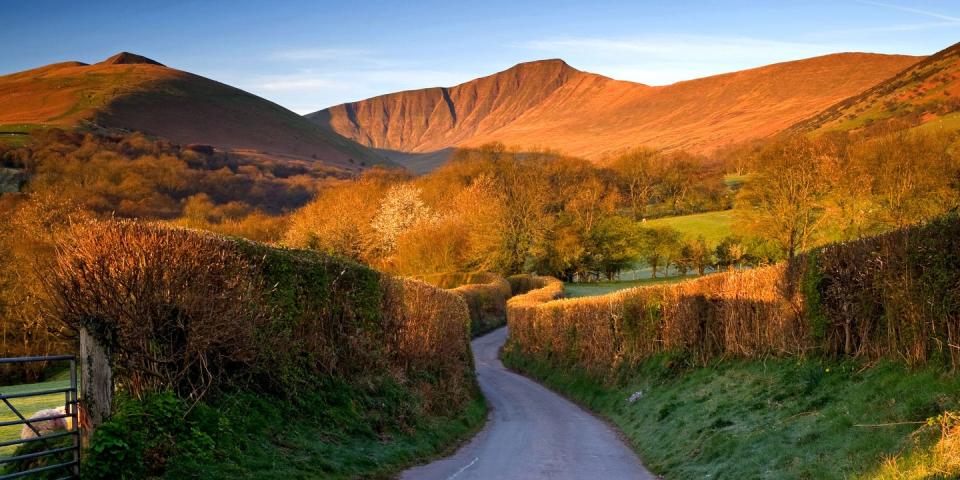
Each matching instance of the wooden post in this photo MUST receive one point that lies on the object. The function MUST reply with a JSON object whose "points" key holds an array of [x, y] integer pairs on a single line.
{"points": [[96, 386]]}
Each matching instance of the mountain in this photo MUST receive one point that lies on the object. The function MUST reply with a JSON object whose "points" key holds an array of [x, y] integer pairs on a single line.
{"points": [[551, 104], [927, 92], [132, 92]]}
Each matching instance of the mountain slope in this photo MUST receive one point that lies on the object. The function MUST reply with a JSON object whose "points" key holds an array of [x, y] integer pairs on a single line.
{"points": [[923, 93], [549, 103], [132, 92]]}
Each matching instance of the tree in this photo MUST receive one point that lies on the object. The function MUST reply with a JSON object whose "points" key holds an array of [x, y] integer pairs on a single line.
{"points": [[660, 246], [786, 196], [617, 241], [636, 171], [913, 171], [400, 209], [730, 253], [700, 254]]}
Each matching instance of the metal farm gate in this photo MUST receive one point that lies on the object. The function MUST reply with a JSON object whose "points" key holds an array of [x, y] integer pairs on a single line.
{"points": [[70, 468]]}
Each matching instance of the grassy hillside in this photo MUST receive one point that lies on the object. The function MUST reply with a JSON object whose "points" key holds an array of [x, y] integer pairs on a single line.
{"points": [[924, 93], [129, 92]]}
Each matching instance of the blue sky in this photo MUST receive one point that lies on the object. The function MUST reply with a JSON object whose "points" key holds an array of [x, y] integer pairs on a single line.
{"points": [[307, 55]]}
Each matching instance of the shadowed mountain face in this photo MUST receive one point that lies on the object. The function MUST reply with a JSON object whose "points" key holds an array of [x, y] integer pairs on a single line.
{"points": [[927, 92], [550, 104], [128, 91]]}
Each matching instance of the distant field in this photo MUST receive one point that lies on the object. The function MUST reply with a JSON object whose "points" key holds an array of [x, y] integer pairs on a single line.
{"points": [[16, 134], [714, 226], [734, 181], [592, 289], [29, 406]]}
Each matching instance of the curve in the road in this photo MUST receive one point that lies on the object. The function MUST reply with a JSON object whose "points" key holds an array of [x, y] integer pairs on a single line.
{"points": [[532, 433]]}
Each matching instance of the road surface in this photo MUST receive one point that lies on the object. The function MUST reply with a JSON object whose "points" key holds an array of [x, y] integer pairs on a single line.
{"points": [[531, 433]]}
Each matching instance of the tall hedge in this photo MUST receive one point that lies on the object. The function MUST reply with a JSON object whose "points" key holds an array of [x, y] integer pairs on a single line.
{"points": [[193, 312]]}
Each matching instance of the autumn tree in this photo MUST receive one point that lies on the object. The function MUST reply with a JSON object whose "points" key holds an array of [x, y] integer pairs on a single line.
{"points": [[786, 197], [912, 176], [636, 170], [659, 247], [29, 228], [699, 254]]}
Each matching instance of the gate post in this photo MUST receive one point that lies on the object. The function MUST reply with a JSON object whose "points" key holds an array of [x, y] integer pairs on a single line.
{"points": [[96, 384]]}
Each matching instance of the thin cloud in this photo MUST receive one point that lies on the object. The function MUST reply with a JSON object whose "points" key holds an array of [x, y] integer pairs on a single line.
{"points": [[671, 46], [299, 82], [312, 89], [664, 59], [949, 18]]}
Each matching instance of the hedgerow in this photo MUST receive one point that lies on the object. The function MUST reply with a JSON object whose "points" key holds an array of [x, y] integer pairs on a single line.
{"points": [[895, 296], [200, 318]]}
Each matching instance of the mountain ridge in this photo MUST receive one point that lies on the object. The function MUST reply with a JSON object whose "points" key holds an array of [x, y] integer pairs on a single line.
{"points": [[132, 92], [549, 103]]}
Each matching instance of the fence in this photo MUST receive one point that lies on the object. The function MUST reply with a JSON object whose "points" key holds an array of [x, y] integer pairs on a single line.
{"points": [[24, 461]]}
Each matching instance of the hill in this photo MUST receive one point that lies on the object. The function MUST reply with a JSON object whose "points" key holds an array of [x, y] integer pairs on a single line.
{"points": [[549, 103], [923, 93], [132, 92]]}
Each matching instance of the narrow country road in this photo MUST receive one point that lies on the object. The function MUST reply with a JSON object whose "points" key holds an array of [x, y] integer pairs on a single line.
{"points": [[531, 433]]}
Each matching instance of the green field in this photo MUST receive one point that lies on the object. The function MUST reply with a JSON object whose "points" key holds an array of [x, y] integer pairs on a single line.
{"points": [[30, 405], [714, 226], [591, 289], [17, 134], [735, 181]]}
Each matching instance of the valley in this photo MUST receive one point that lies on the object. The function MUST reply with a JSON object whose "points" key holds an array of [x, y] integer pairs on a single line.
{"points": [[542, 272]]}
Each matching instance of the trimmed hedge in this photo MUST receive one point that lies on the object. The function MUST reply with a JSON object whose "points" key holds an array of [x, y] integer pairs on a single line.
{"points": [[486, 295], [195, 312]]}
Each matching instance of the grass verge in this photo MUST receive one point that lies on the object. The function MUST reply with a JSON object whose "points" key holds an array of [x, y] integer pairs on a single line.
{"points": [[338, 434], [780, 418]]}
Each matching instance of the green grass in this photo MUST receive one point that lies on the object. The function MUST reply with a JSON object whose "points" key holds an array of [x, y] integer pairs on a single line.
{"points": [[29, 405], [590, 289], [337, 431], [778, 418], [735, 181], [313, 445], [946, 122], [17, 134], [714, 226]]}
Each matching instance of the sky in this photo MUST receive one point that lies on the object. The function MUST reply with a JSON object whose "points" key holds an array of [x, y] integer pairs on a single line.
{"points": [[308, 55]]}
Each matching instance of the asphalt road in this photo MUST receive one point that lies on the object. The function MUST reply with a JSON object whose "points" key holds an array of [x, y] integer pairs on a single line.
{"points": [[532, 433]]}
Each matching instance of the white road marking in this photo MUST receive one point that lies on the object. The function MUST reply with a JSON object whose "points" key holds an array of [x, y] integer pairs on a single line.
{"points": [[464, 468]]}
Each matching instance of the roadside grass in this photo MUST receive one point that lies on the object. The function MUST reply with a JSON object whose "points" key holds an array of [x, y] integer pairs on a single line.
{"points": [[778, 418], [29, 405], [714, 226], [259, 438], [590, 289]]}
